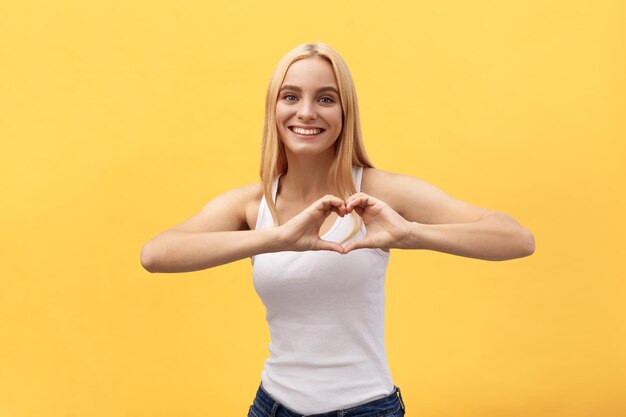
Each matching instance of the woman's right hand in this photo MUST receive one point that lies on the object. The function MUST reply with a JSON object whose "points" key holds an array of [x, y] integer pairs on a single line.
{"points": [[302, 232]]}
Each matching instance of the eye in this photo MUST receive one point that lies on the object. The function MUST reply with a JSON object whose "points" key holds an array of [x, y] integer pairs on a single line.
{"points": [[286, 97], [330, 100]]}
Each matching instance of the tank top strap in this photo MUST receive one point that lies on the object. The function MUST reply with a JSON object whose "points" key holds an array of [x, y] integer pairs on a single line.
{"points": [[275, 187], [358, 175], [264, 218]]}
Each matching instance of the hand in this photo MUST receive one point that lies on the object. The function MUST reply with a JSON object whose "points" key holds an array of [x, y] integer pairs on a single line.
{"points": [[302, 232], [385, 228]]}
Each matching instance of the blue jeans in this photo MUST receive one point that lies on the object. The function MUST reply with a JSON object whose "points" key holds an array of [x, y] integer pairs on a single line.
{"points": [[390, 406]]}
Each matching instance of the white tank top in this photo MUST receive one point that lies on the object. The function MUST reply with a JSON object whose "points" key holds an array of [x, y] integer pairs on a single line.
{"points": [[326, 314]]}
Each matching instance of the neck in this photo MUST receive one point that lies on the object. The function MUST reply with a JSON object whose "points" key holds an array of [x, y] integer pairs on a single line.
{"points": [[306, 179]]}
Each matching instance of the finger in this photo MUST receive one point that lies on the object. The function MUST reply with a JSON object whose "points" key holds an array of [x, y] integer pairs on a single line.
{"points": [[328, 245], [341, 210], [360, 199], [357, 202], [356, 244], [328, 201], [355, 196]]}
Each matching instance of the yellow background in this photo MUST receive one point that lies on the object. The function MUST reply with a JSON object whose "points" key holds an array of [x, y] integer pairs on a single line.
{"points": [[119, 119]]}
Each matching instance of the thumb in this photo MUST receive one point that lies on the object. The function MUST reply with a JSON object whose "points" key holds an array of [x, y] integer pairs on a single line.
{"points": [[327, 245], [356, 244]]}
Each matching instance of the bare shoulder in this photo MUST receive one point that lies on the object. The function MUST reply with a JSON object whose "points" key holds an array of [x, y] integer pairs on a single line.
{"points": [[417, 200], [387, 186], [251, 196], [375, 182], [233, 209]]}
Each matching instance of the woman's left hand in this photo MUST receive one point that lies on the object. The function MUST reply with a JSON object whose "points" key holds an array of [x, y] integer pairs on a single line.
{"points": [[385, 228]]}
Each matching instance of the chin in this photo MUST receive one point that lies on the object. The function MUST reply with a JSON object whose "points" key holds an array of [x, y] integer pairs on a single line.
{"points": [[306, 148], [296, 144]]}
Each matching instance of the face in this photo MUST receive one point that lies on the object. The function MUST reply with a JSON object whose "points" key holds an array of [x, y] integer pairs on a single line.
{"points": [[308, 109]]}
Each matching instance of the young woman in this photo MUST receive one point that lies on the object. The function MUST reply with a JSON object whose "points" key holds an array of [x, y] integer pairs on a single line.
{"points": [[318, 228]]}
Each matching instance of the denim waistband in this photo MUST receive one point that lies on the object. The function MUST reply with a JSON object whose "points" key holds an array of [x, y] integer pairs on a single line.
{"points": [[271, 406]]}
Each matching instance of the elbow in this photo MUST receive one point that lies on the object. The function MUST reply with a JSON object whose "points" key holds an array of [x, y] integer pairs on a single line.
{"points": [[148, 258], [527, 243]]}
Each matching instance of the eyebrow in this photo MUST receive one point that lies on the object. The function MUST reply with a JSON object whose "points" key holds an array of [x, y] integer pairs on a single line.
{"points": [[296, 88]]}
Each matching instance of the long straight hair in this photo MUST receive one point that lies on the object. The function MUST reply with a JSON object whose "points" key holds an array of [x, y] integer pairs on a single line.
{"points": [[349, 148]]}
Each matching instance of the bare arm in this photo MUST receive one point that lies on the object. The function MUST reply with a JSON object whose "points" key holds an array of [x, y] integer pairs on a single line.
{"points": [[495, 237], [215, 236], [176, 251], [219, 235], [421, 216]]}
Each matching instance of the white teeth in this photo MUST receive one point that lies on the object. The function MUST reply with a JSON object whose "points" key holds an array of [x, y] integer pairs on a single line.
{"points": [[306, 131]]}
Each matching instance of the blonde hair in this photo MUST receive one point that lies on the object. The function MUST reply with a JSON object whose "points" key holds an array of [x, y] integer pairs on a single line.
{"points": [[349, 148]]}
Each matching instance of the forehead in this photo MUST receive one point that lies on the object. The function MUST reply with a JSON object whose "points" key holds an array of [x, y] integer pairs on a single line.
{"points": [[311, 71]]}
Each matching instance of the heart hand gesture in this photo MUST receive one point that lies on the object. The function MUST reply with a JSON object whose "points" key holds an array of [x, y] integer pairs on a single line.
{"points": [[302, 232], [385, 228]]}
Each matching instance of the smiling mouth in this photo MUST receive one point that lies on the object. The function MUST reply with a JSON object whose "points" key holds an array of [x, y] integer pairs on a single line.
{"points": [[305, 132]]}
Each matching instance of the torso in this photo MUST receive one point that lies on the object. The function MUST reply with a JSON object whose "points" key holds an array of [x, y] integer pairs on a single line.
{"points": [[327, 347]]}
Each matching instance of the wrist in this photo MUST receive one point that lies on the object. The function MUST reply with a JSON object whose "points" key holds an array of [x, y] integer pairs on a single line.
{"points": [[278, 239], [414, 236]]}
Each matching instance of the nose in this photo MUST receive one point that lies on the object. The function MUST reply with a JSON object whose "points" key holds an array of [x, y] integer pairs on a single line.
{"points": [[306, 111]]}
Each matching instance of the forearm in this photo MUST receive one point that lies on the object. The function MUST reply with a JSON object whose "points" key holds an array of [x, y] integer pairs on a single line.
{"points": [[493, 238], [175, 251]]}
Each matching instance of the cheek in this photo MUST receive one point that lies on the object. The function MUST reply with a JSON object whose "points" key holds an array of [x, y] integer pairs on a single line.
{"points": [[281, 116], [281, 112], [335, 118]]}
